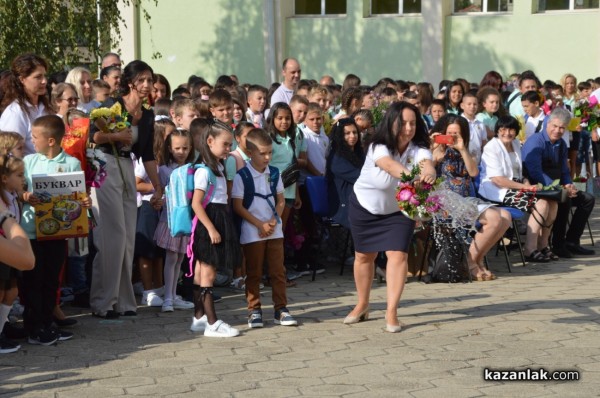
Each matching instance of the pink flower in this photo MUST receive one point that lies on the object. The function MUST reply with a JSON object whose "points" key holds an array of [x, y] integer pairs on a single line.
{"points": [[405, 194], [593, 101], [414, 200]]}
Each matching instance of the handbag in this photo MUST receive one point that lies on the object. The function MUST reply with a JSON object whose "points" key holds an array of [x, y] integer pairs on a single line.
{"points": [[291, 173], [557, 194]]}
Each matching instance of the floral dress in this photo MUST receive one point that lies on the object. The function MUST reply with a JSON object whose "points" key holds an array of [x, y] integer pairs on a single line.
{"points": [[454, 172]]}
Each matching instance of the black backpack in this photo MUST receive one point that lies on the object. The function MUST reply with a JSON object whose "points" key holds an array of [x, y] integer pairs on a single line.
{"points": [[448, 259]]}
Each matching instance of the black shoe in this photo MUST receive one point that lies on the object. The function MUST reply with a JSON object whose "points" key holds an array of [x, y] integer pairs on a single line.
{"points": [[43, 337], [62, 335], [578, 249], [14, 333], [128, 313], [110, 314], [562, 251], [7, 346], [64, 323]]}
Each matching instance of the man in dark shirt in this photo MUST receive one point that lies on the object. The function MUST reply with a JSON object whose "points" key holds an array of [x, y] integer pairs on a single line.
{"points": [[545, 160]]}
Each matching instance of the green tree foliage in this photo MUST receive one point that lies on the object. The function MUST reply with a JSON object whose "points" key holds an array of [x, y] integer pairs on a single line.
{"points": [[64, 32]]}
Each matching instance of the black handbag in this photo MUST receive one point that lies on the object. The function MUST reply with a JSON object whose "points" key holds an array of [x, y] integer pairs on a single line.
{"points": [[557, 194], [291, 173]]}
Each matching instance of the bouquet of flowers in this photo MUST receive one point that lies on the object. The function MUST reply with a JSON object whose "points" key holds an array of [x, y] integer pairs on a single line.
{"points": [[588, 110], [416, 199], [95, 171], [379, 110], [111, 120]]}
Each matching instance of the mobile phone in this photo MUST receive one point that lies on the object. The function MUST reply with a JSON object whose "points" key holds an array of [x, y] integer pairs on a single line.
{"points": [[444, 139]]}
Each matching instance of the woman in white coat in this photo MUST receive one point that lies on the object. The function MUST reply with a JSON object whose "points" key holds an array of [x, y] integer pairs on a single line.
{"points": [[502, 181]]}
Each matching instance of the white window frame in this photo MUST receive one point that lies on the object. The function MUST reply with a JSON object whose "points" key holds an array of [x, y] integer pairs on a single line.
{"points": [[484, 9], [571, 8], [322, 14], [400, 10]]}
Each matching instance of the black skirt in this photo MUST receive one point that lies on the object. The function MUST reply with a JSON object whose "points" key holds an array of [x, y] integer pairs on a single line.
{"points": [[226, 255], [7, 274], [379, 233]]}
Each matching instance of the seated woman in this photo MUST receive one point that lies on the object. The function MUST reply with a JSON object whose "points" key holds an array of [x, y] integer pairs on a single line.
{"points": [[344, 162], [502, 181], [454, 163]]}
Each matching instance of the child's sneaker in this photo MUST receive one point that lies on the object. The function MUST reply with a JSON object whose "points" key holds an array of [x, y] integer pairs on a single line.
{"points": [[283, 318], [255, 319], [7, 346], [180, 304], [238, 283], [152, 299], [43, 337], [220, 329], [167, 306], [62, 335], [199, 325]]}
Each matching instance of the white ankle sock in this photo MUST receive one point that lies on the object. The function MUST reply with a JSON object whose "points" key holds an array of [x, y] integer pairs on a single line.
{"points": [[4, 311]]}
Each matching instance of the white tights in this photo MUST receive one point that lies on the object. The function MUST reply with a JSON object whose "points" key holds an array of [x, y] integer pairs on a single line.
{"points": [[172, 266]]}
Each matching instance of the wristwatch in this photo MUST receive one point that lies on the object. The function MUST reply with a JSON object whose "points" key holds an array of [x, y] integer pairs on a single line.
{"points": [[4, 215]]}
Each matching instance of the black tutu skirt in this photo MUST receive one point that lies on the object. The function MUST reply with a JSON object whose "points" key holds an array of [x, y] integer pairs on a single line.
{"points": [[379, 233], [226, 255]]}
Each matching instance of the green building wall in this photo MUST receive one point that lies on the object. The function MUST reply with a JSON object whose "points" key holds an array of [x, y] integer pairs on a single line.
{"points": [[213, 37]]}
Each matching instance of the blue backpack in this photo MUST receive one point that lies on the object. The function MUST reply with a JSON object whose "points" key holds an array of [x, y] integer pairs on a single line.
{"points": [[250, 192], [179, 194]]}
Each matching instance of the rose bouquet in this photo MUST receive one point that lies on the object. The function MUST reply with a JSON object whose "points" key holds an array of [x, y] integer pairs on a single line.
{"points": [[112, 120], [416, 199], [588, 110], [580, 183]]}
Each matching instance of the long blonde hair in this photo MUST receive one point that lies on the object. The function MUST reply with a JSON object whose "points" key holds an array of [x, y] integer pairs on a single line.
{"points": [[74, 77], [563, 83]]}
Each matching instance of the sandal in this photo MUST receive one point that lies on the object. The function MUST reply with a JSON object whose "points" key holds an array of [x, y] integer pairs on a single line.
{"points": [[546, 251], [537, 256], [478, 276]]}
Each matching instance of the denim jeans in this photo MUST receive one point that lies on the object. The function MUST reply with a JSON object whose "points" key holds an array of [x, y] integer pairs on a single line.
{"points": [[76, 274]]}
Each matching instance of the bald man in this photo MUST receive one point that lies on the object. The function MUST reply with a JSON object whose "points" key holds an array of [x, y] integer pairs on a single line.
{"points": [[291, 76], [327, 81]]}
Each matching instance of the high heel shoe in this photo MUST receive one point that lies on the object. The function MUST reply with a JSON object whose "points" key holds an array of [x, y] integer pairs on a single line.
{"points": [[393, 328], [363, 316]]}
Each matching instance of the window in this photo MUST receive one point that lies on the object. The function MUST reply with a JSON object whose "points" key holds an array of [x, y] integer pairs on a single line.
{"points": [[322, 7], [461, 6], [566, 5], [379, 7]]}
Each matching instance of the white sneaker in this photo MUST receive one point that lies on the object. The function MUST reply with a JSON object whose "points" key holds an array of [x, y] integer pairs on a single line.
{"points": [[220, 329], [181, 304], [153, 300], [167, 306], [199, 325]]}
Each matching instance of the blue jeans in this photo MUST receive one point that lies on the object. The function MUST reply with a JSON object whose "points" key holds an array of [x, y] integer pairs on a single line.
{"points": [[76, 274]]}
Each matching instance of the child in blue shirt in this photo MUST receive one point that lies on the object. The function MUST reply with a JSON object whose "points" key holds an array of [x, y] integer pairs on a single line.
{"points": [[40, 284]]}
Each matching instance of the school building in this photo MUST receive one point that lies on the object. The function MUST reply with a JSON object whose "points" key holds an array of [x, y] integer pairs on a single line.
{"points": [[419, 40]]}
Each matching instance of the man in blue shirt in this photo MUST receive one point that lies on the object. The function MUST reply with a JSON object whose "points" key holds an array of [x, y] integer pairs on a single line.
{"points": [[545, 160]]}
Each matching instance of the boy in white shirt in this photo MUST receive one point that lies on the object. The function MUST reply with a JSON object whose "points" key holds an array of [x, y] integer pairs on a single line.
{"points": [[534, 115], [261, 232], [257, 99], [478, 134]]}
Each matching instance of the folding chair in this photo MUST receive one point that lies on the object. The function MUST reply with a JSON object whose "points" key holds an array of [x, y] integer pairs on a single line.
{"points": [[316, 186]]}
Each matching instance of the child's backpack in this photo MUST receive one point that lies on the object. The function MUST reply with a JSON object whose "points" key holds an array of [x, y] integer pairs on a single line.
{"points": [[179, 194], [250, 193]]}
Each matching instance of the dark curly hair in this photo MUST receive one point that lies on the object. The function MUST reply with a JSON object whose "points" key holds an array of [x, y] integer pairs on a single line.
{"points": [[341, 148]]}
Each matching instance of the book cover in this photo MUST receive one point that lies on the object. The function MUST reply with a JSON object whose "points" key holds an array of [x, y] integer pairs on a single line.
{"points": [[60, 214]]}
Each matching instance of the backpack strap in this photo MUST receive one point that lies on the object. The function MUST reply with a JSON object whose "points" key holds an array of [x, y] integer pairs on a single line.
{"points": [[249, 190], [510, 101]]}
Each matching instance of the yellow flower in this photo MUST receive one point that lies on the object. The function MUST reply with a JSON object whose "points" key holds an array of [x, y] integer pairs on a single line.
{"points": [[112, 126], [100, 112], [116, 109], [121, 125]]}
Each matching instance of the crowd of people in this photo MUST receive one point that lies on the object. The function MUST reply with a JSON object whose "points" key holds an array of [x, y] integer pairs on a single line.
{"points": [[251, 150]]}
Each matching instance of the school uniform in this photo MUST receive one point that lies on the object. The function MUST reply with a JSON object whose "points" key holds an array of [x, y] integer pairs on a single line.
{"points": [[39, 285], [255, 248]]}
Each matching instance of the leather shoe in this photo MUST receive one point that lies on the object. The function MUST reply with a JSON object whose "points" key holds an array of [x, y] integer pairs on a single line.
{"points": [[562, 251], [578, 249]]}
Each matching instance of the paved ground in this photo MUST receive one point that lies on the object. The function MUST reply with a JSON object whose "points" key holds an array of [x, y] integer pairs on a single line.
{"points": [[543, 315]]}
